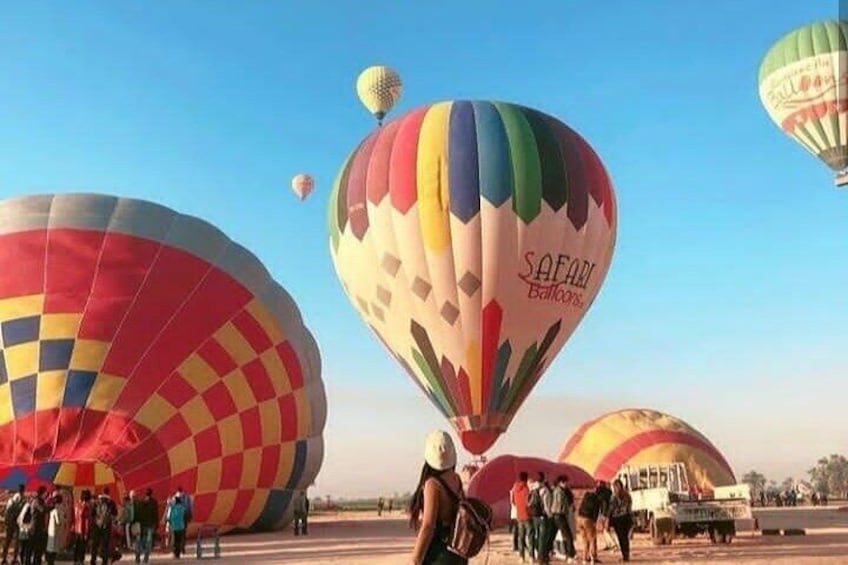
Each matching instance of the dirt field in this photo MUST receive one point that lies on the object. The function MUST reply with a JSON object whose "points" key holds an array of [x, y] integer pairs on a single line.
{"points": [[362, 538]]}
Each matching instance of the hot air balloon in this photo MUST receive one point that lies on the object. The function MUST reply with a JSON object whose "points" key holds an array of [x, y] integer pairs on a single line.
{"points": [[142, 348], [379, 88], [642, 437], [804, 87], [302, 185], [472, 237]]}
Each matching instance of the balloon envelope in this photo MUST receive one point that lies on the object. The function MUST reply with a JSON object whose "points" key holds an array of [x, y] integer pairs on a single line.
{"points": [[144, 349], [472, 236], [379, 88], [302, 185], [804, 88], [493, 480], [640, 437]]}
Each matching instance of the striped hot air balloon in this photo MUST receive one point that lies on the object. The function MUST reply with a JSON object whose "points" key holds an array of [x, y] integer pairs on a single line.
{"points": [[142, 348], [804, 88], [641, 437], [472, 237]]}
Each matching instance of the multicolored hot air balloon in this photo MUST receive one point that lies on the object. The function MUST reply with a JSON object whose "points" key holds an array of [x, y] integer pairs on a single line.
{"points": [[142, 348], [379, 88], [641, 437], [472, 237], [804, 88], [302, 185]]}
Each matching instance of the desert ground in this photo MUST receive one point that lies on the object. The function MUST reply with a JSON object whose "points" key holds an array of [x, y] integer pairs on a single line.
{"points": [[363, 538]]}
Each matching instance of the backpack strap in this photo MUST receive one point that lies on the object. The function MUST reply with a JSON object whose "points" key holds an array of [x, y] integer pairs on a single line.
{"points": [[457, 497]]}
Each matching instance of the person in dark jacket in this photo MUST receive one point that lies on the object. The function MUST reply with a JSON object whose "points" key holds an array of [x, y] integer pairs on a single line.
{"points": [[563, 500], [147, 517], [587, 519]]}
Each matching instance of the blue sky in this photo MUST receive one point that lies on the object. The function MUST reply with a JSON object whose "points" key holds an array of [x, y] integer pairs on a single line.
{"points": [[725, 303]]}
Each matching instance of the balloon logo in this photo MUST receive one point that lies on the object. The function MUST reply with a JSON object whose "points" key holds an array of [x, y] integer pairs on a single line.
{"points": [[302, 185], [379, 88], [804, 88], [472, 237]]}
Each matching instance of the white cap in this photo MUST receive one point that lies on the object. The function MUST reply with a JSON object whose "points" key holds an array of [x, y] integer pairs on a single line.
{"points": [[439, 451]]}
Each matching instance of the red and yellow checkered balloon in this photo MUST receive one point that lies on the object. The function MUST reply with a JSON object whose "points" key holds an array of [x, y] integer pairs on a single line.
{"points": [[142, 348]]}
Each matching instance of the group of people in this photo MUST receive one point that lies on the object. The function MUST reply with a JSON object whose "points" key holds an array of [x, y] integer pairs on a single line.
{"points": [[382, 504], [541, 512], [42, 526]]}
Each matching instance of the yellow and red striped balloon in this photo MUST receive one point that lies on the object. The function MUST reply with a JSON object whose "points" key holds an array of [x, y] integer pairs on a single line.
{"points": [[637, 437]]}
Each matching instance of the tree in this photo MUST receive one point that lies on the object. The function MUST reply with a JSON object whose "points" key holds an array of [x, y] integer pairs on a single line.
{"points": [[788, 484], [830, 476], [755, 480]]}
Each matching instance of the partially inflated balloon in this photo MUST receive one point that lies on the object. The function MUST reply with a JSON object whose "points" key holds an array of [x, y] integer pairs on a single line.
{"points": [[302, 185], [142, 348], [645, 437], [804, 88], [379, 88], [472, 237]]}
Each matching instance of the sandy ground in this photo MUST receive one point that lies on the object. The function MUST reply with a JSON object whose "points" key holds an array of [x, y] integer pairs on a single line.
{"points": [[363, 538]]}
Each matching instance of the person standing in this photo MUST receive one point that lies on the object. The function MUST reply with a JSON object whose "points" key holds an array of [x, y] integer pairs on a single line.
{"points": [[11, 513], [147, 516], [604, 495], [177, 522], [54, 530], [127, 519], [563, 500], [301, 513], [104, 512], [380, 505], [518, 498], [82, 526], [38, 527], [587, 519], [621, 517], [435, 503]]}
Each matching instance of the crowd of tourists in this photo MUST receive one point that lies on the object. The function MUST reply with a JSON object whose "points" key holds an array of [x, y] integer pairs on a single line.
{"points": [[41, 526]]}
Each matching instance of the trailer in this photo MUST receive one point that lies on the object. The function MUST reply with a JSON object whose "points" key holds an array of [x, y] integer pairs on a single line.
{"points": [[665, 505]]}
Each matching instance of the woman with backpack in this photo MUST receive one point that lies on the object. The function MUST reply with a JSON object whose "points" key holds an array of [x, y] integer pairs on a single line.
{"points": [[439, 509]]}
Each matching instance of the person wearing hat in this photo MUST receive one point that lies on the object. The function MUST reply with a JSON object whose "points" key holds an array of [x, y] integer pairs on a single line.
{"points": [[433, 507]]}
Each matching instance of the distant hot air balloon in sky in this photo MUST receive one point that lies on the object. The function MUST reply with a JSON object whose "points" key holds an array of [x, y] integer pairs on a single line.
{"points": [[472, 237], [302, 185], [142, 348], [379, 88], [804, 87]]}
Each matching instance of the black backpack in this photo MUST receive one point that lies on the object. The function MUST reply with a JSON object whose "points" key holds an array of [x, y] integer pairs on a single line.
{"points": [[534, 503], [590, 506], [14, 510]]}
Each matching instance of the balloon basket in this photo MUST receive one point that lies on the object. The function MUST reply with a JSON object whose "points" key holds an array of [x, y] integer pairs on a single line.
{"points": [[841, 178]]}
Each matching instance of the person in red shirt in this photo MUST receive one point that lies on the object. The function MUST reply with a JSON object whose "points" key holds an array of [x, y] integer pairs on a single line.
{"points": [[82, 526], [518, 498]]}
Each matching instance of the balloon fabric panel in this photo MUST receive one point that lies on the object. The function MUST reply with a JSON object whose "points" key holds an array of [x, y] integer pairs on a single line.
{"points": [[460, 287], [133, 357]]}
